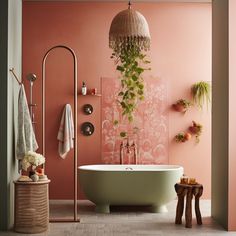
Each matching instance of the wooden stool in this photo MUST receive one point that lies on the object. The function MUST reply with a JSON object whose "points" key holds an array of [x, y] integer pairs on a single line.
{"points": [[189, 191], [31, 207]]}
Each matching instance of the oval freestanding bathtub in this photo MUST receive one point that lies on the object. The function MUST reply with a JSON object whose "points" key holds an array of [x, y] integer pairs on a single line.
{"points": [[107, 185]]}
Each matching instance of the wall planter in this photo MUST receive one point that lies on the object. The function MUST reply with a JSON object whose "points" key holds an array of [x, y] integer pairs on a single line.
{"points": [[201, 93], [182, 105], [196, 129], [183, 137]]}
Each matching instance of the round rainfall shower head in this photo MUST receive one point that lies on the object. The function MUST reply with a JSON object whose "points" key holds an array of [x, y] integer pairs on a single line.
{"points": [[31, 77]]}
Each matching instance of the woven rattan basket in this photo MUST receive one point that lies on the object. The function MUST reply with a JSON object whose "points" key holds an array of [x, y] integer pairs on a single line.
{"points": [[31, 207]]}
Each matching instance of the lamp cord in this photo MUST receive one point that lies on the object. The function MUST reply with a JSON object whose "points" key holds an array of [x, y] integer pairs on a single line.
{"points": [[129, 4]]}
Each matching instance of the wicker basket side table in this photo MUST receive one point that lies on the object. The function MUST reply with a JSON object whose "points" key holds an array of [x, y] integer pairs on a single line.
{"points": [[31, 207]]}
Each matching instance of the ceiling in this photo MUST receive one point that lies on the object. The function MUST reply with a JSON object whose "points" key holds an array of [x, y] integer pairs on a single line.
{"points": [[119, 0]]}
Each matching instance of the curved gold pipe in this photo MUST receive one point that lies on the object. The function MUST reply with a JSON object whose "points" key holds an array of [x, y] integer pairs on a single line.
{"points": [[75, 119]]}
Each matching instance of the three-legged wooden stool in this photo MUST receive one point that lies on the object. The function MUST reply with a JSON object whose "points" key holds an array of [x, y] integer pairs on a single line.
{"points": [[189, 191]]}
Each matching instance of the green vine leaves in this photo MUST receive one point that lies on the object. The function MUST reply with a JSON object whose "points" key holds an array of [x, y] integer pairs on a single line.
{"points": [[131, 63]]}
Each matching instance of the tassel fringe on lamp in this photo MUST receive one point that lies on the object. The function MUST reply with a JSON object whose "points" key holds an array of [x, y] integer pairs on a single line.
{"points": [[129, 27]]}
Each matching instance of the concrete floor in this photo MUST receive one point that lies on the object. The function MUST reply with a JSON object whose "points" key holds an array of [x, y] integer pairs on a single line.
{"points": [[126, 221]]}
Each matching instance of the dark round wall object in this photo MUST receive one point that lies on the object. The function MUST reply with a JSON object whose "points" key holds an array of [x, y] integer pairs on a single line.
{"points": [[87, 128], [88, 109]]}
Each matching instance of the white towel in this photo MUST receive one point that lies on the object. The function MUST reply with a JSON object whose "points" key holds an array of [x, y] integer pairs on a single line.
{"points": [[66, 132], [26, 140]]}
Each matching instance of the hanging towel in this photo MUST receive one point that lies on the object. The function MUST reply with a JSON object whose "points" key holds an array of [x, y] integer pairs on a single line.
{"points": [[66, 132], [26, 140]]}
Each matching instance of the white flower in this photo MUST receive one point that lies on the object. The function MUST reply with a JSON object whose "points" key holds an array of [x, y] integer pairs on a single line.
{"points": [[32, 159]]}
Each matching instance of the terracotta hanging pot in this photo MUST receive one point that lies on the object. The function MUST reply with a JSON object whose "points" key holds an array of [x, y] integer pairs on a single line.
{"points": [[193, 129], [179, 107], [182, 105], [187, 136]]}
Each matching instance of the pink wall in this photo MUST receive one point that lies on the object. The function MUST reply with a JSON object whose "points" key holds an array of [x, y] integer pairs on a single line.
{"points": [[187, 53], [232, 117], [180, 54]]}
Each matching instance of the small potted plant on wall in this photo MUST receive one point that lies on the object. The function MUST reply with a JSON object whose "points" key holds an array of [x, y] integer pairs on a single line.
{"points": [[196, 129], [182, 105], [201, 93], [182, 137]]}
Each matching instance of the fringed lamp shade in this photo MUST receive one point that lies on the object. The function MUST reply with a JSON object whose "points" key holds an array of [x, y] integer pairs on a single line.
{"points": [[129, 27]]}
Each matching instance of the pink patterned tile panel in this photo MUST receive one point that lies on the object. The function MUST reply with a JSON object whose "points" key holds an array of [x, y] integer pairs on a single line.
{"points": [[151, 118]]}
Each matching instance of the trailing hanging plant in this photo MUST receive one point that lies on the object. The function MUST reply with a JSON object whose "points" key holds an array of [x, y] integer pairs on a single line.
{"points": [[130, 60], [131, 133], [201, 93]]}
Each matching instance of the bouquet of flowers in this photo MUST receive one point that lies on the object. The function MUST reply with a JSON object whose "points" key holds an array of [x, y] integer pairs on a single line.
{"points": [[32, 159]]}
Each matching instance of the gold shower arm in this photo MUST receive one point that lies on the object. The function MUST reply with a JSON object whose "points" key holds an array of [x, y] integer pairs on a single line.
{"points": [[17, 79]]}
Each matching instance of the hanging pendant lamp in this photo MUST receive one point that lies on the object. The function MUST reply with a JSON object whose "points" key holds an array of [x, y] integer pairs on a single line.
{"points": [[129, 27]]}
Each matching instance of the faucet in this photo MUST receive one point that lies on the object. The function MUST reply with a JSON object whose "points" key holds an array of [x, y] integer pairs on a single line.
{"points": [[129, 149]]}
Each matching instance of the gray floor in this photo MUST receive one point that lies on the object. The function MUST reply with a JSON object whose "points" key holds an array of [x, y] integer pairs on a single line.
{"points": [[127, 221]]}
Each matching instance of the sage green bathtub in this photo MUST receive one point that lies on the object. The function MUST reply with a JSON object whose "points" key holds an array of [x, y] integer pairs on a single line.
{"points": [[151, 185]]}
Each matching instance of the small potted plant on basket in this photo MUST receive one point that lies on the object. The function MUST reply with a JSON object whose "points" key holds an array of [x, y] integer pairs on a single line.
{"points": [[182, 105]]}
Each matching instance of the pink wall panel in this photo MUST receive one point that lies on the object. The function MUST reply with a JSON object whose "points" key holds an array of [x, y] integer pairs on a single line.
{"points": [[151, 119], [180, 55]]}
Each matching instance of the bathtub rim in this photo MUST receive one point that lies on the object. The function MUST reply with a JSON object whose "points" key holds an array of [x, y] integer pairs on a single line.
{"points": [[151, 168]]}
